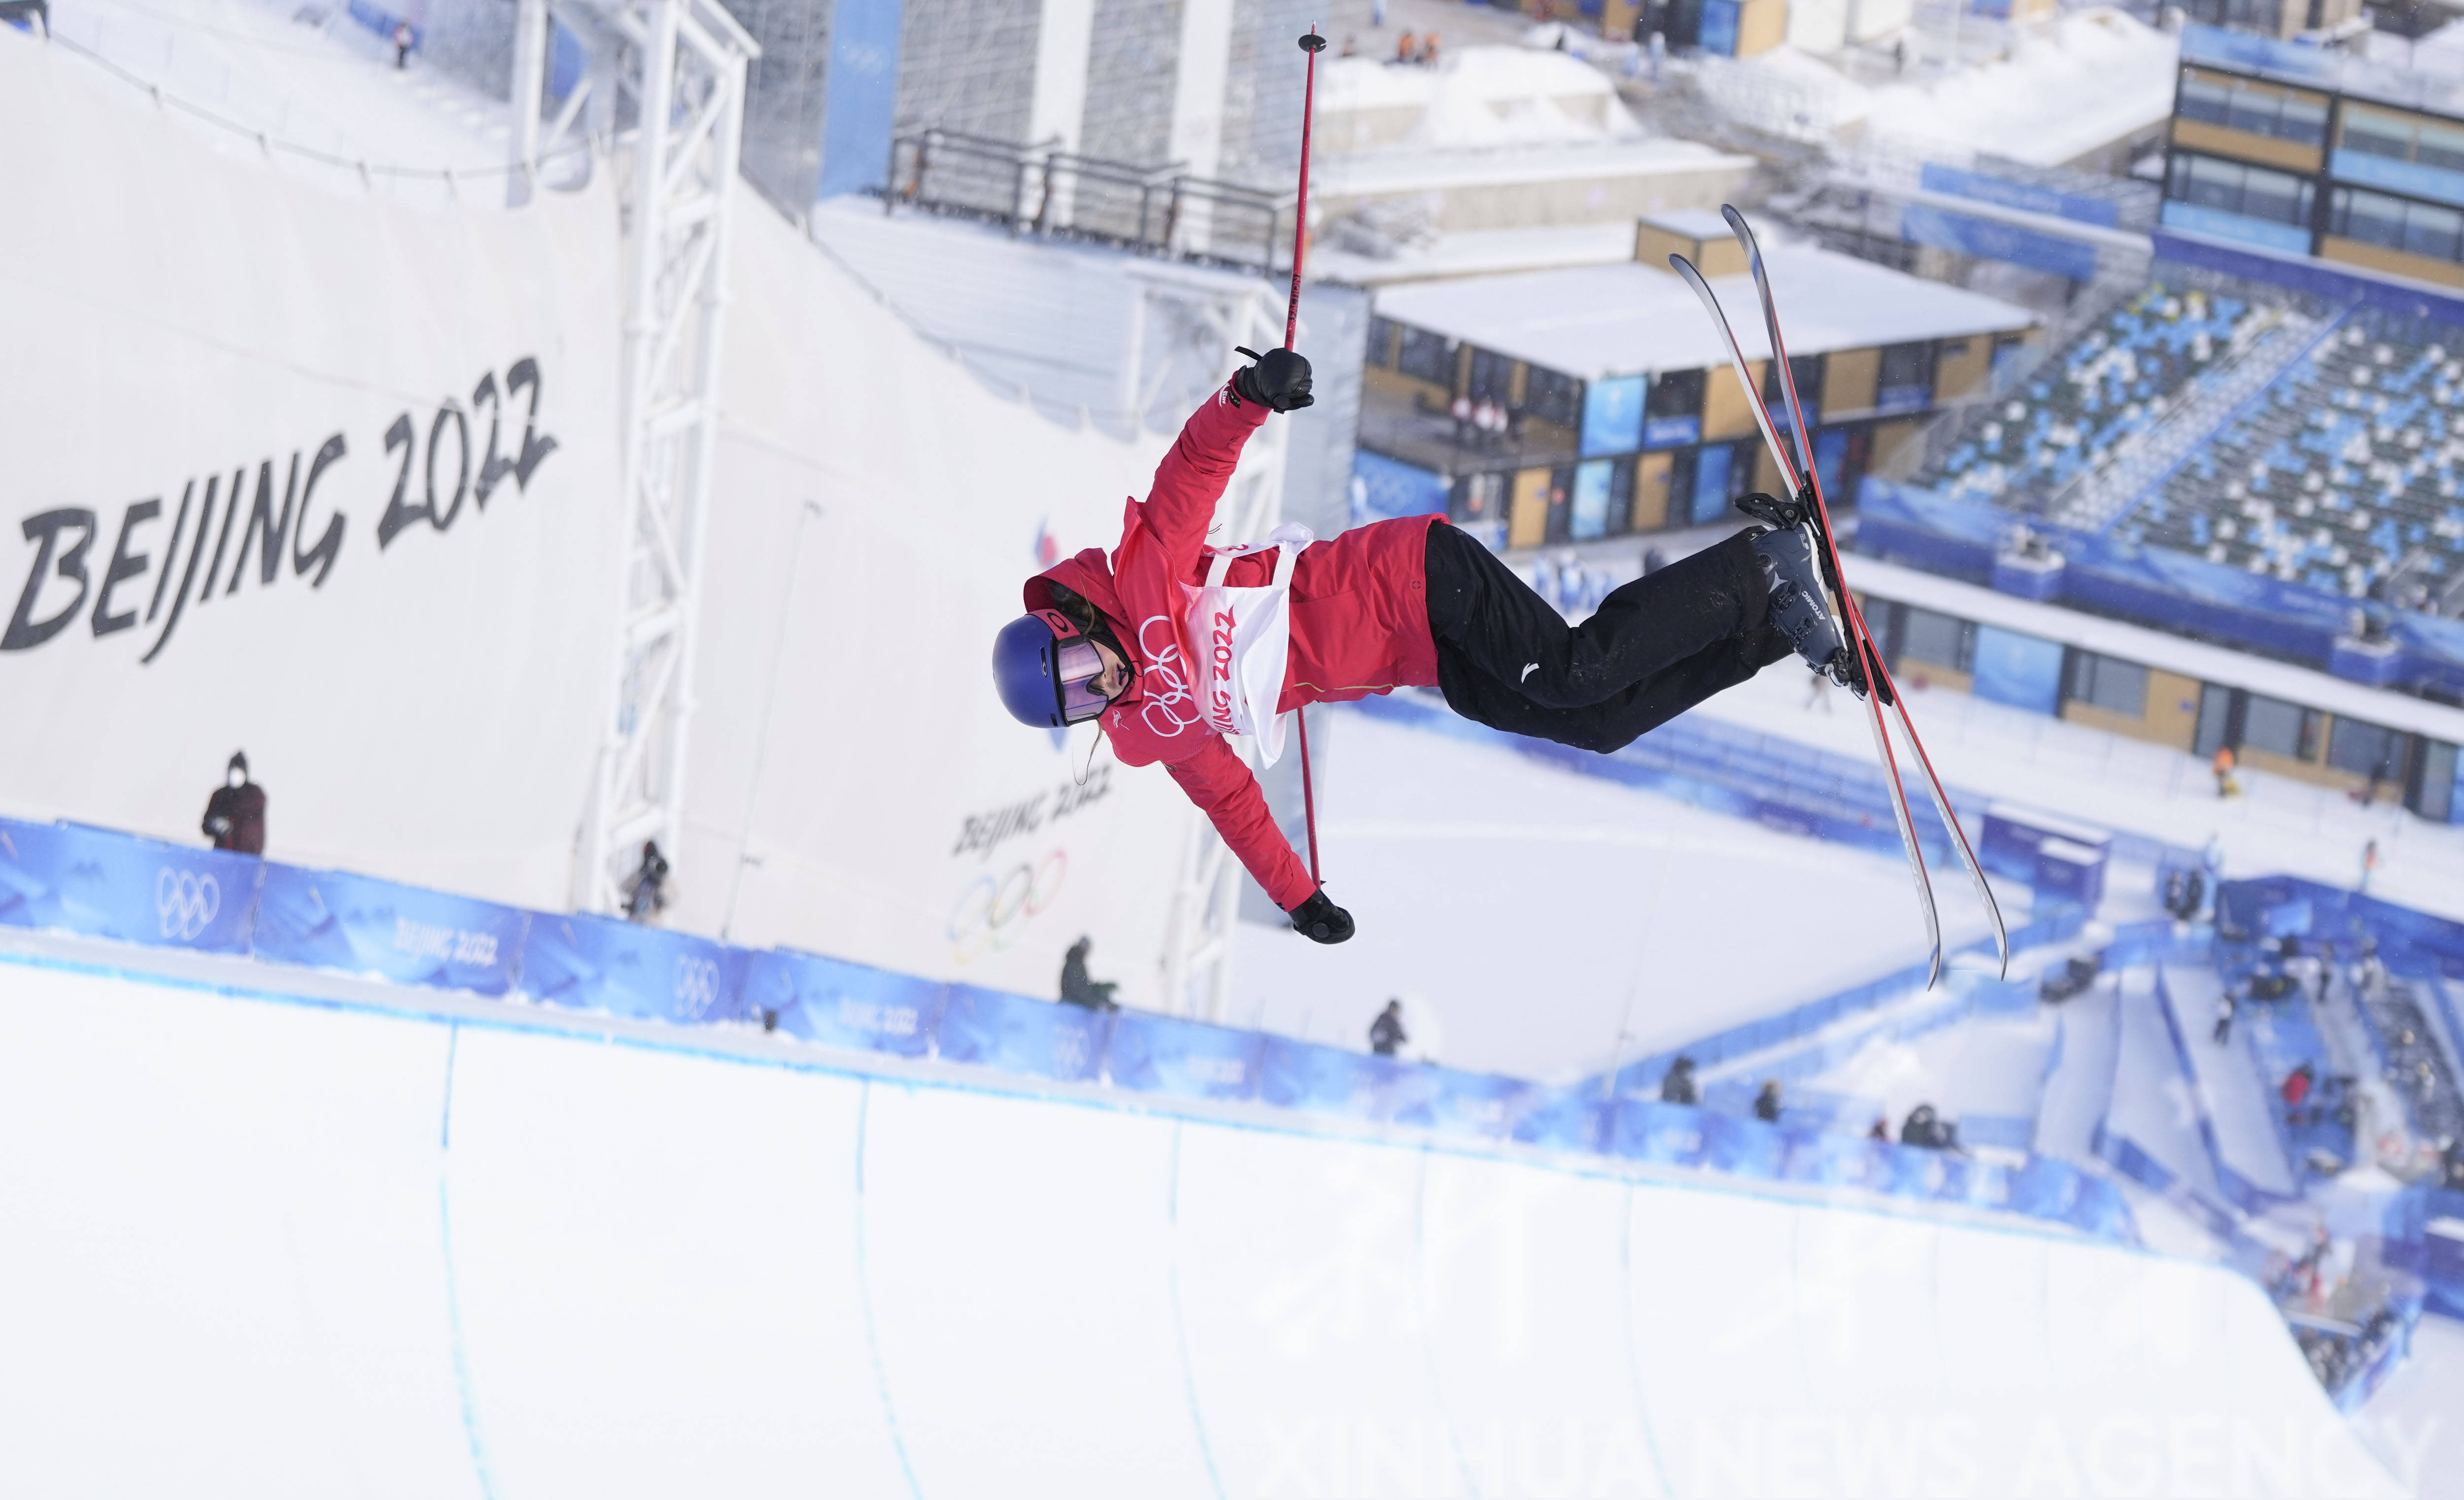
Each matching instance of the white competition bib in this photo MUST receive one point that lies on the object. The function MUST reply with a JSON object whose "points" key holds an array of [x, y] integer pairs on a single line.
{"points": [[1240, 641]]}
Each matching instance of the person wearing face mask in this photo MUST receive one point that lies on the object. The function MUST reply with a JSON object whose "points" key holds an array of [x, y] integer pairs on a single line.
{"points": [[235, 814]]}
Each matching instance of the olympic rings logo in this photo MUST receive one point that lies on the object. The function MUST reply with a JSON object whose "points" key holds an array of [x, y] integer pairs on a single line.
{"points": [[697, 986], [186, 902], [1161, 668], [991, 912]]}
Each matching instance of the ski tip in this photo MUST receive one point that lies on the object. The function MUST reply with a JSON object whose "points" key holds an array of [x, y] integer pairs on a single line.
{"points": [[1934, 972]]}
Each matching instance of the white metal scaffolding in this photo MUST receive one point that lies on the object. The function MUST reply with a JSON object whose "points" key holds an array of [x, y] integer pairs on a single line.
{"points": [[1206, 897], [664, 89]]}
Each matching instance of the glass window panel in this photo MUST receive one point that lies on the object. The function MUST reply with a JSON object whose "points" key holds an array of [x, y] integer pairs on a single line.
{"points": [[2249, 109], [2214, 184], [2372, 218], [1427, 355], [1588, 515], [1381, 342], [2204, 101], [2442, 147], [2430, 231], [2304, 121], [1678, 393], [1553, 397], [2118, 687], [1490, 373], [2274, 195], [2377, 135], [2365, 748], [2273, 725], [1934, 639]]}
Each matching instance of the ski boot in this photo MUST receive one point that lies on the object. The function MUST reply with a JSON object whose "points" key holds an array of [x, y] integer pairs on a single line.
{"points": [[1791, 565]]}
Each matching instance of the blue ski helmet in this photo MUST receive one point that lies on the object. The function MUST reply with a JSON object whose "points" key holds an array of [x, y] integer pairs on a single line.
{"points": [[1045, 668]]}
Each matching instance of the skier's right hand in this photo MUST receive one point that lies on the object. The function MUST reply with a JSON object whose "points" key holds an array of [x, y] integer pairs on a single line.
{"points": [[1279, 382], [1320, 920]]}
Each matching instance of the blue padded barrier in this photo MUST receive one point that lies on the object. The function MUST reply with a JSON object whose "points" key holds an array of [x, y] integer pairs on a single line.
{"points": [[598, 963], [105, 883], [840, 1003], [1456, 1102], [1324, 1080], [1041, 1038], [1188, 1059], [327, 920]]}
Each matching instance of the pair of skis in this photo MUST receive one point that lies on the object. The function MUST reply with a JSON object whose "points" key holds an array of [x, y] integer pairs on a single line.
{"points": [[1863, 669]]}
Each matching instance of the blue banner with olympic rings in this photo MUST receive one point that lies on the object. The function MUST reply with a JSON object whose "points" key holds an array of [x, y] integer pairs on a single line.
{"points": [[1647, 1129], [1459, 1103], [104, 884], [1564, 1119], [840, 1003], [1042, 1037], [1163, 1054], [1324, 1080], [600, 963], [325, 919]]}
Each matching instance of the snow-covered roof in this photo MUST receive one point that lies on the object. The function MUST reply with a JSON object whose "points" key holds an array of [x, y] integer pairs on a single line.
{"points": [[2427, 75], [1477, 253], [1415, 169], [1593, 322], [2158, 649]]}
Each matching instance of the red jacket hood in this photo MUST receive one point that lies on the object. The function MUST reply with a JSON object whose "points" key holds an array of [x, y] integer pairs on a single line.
{"points": [[1088, 574]]}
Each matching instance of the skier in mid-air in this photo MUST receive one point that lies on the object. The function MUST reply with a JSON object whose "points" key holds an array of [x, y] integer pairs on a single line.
{"points": [[1171, 644]]}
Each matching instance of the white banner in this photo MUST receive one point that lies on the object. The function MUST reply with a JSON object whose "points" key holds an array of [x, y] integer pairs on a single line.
{"points": [[309, 474]]}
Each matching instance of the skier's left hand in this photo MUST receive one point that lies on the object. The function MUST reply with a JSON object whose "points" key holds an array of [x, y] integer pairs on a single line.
{"points": [[1320, 920], [1279, 382]]}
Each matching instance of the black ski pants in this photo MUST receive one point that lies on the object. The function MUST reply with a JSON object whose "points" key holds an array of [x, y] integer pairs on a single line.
{"points": [[1655, 647]]}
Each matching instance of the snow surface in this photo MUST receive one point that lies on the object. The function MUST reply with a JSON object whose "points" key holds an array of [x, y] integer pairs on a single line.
{"points": [[2230, 1087], [1553, 920], [2278, 826], [284, 1249], [302, 76], [1477, 97], [1624, 320], [1981, 1066], [2060, 91], [2087, 79], [2411, 1421]]}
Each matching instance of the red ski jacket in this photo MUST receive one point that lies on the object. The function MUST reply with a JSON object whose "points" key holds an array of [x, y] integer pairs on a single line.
{"points": [[1359, 626]]}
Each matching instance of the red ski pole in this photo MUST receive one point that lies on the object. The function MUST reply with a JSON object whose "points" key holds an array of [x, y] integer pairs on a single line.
{"points": [[1313, 44]]}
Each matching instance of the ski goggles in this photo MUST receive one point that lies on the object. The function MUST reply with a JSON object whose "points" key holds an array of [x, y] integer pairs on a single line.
{"points": [[1074, 664]]}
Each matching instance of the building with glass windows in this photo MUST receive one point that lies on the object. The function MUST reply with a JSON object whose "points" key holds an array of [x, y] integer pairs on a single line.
{"points": [[1595, 401], [2305, 151]]}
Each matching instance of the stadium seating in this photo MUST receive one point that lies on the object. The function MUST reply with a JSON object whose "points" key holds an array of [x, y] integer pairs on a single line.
{"points": [[2343, 469], [2109, 384]]}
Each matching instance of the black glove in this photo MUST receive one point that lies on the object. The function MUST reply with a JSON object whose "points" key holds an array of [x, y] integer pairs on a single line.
{"points": [[1320, 920], [1279, 382]]}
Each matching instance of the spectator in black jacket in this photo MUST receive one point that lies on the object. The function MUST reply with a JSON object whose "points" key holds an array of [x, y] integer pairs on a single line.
{"points": [[646, 889], [235, 814], [1677, 1087], [1386, 1033], [1767, 1102], [1077, 986], [1928, 1130]]}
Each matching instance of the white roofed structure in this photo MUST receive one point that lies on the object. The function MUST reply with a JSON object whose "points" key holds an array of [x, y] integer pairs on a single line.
{"points": [[1593, 321]]}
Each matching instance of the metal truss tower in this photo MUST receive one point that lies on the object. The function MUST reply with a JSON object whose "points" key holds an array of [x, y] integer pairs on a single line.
{"points": [[664, 93], [1207, 896]]}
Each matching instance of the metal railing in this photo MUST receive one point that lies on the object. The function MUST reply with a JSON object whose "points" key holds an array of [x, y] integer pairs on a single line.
{"points": [[1041, 190]]}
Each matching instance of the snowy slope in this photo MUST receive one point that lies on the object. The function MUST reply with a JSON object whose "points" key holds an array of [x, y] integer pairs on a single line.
{"points": [[2278, 826], [327, 1251], [1550, 921]]}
